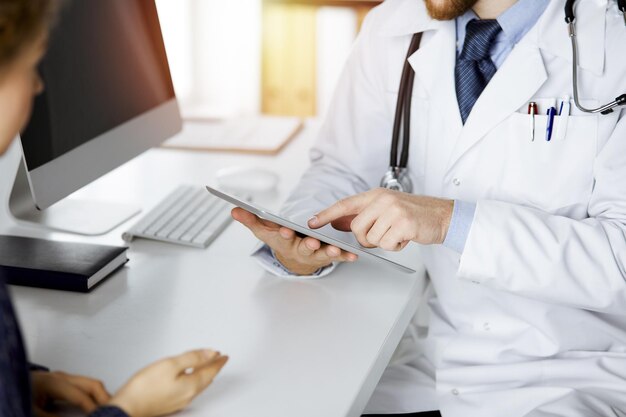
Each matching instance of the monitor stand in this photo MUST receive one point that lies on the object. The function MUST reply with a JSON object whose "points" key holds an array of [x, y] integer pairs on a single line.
{"points": [[82, 217]]}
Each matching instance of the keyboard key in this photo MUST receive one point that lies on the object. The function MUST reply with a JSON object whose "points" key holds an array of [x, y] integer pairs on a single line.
{"points": [[203, 222], [188, 216], [223, 217], [168, 215], [193, 219], [196, 202], [158, 211]]}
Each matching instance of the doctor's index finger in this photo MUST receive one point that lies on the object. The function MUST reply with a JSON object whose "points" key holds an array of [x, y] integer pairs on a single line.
{"points": [[342, 208]]}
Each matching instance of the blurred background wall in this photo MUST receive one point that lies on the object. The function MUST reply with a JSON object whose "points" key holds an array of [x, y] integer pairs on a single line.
{"points": [[241, 57]]}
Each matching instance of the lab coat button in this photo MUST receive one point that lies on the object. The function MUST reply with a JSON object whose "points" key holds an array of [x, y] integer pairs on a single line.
{"points": [[456, 182], [486, 326], [455, 392]]}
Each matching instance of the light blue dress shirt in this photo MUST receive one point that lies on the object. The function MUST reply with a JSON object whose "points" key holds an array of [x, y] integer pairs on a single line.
{"points": [[515, 22]]}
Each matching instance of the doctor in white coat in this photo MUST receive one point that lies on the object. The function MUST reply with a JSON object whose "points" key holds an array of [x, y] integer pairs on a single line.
{"points": [[525, 311]]}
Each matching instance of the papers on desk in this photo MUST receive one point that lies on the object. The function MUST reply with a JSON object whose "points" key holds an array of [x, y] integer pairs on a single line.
{"points": [[258, 134]]}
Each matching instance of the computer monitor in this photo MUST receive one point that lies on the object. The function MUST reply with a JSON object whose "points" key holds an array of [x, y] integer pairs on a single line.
{"points": [[108, 97]]}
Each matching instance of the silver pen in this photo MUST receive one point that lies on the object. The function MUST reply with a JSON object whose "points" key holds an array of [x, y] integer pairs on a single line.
{"points": [[532, 110]]}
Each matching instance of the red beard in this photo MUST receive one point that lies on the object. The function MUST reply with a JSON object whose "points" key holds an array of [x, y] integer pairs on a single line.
{"points": [[448, 9]]}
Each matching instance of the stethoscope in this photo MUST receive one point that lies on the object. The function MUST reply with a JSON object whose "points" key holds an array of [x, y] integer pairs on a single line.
{"points": [[570, 19], [397, 177]]}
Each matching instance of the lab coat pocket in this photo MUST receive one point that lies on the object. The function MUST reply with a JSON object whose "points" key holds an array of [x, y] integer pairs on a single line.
{"points": [[552, 175]]}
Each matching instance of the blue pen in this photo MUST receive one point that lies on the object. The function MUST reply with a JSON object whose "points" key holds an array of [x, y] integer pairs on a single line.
{"points": [[550, 113]]}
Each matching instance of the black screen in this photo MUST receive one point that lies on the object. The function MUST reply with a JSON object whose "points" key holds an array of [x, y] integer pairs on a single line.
{"points": [[105, 65]]}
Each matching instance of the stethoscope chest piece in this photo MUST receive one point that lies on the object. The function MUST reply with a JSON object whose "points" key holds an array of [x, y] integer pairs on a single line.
{"points": [[397, 179]]}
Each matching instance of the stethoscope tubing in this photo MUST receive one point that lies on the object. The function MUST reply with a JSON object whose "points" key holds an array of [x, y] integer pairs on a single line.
{"points": [[403, 109], [570, 19]]}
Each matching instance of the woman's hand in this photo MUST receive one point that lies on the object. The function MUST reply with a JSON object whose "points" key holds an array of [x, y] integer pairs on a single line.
{"points": [[79, 391], [168, 385]]}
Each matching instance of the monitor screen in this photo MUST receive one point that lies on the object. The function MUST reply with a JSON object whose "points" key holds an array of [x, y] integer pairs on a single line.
{"points": [[105, 65]]}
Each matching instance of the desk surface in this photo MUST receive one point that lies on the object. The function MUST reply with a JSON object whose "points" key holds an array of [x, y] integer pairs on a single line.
{"points": [[298, 348]]}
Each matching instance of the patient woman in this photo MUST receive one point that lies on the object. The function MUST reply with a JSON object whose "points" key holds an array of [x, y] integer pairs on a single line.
{"points": [[163, 387]]}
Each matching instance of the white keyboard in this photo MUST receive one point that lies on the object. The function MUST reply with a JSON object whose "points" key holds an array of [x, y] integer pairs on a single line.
{"points": [[189, 216]]}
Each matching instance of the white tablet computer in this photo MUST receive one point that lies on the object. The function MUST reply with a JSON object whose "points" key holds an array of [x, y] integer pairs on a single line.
{"points": [[343, 240]]}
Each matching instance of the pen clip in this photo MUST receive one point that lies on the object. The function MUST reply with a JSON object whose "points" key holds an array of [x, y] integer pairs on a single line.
{"points": [[550, 123], [564, 112], [532, 111]]}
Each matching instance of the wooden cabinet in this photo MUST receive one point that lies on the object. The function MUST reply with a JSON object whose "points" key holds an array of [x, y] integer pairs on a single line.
{"points": [[289, 66]]}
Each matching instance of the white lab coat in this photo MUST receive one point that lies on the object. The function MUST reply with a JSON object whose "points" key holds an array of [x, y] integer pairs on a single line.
{"points": [[531, 319]]}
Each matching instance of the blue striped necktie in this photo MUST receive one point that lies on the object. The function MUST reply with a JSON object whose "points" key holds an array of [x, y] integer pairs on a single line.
{"points": [[474, 67]]}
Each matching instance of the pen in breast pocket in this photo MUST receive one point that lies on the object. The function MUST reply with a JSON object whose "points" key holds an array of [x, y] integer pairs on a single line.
{"points": [[550, 123], [532, 110], [564, 111]]}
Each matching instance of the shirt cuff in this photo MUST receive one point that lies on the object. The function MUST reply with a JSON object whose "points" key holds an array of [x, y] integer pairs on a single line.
{"points": [[108, 411], [33, 367], [264, 255], [460, 224]]}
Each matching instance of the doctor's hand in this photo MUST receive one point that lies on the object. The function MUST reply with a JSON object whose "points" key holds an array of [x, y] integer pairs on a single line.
{"points": [[302, 256], [391, 219]]}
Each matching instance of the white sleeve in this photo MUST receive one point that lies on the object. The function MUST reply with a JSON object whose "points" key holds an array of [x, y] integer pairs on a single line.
{"points": [[578, 263]]}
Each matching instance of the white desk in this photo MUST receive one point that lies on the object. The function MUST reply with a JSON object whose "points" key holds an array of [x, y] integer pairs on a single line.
{"points": [[314, 348]]}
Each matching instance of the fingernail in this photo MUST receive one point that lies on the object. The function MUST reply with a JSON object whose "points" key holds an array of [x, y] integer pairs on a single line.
{"points": [[313, 221], [225, 359]]}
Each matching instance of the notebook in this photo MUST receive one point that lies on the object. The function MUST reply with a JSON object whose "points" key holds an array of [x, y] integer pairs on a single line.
{"points": [[57, 265]]}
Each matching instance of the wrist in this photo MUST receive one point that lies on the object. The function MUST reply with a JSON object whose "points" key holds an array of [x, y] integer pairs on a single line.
{"points": [[296, 268], [124, 405], [445, 217]]}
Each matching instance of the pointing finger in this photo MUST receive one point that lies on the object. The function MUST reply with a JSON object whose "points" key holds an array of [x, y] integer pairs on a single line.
{"points": [[343, 223], [346, 207]]}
